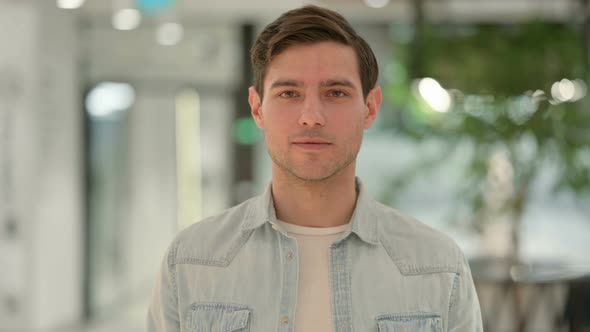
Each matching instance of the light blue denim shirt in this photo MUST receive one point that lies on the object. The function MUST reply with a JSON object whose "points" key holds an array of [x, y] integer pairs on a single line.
{"points": [[237, 271]]}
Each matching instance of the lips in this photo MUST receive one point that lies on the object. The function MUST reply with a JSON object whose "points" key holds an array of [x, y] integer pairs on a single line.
{"points": [[311, 143]]}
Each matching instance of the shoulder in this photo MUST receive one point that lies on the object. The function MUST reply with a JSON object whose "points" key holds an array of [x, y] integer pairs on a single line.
{"points": [[214, 240], [415, 247]]}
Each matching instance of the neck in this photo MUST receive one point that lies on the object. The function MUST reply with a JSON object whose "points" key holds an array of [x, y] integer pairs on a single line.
{"points": [[326, 203]]}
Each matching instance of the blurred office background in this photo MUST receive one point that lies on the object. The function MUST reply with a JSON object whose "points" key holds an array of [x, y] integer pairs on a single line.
{"points": [[123, 121]]}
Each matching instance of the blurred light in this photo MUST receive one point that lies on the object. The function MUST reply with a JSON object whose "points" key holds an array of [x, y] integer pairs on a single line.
{"points": [[434, 94], [581, 90], [481, 106], [108, 98], [126, 19], [555, 92], [376, 3], [522, 108], [169, 34], [538, 95], [566, 90], [153, 7], [246, 132], [70, 4], [188, 158]]}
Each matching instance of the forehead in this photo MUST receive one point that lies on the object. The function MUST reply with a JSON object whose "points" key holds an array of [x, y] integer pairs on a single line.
{"points": [[314, 63]]}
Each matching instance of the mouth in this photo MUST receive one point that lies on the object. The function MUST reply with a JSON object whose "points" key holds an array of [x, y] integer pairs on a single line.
{"points": [[312, 144]]}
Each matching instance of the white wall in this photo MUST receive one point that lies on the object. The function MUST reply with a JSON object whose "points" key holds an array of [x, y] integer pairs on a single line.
{"points": [[17, 163], [42, 264]]}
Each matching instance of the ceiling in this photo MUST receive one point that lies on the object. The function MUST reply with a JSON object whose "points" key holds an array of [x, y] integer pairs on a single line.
{"points": [[356, 10]]}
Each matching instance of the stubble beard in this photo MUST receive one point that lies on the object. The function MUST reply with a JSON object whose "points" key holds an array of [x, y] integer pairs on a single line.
{"points": [[328, 169]]}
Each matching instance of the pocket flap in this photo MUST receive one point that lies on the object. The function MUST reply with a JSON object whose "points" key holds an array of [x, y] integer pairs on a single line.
{"points": [[409, 322], [218, 317]]}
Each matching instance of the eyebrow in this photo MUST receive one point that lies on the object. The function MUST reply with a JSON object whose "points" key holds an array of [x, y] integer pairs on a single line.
{"points": [[328, 83], [281, 83], [344, 82]]}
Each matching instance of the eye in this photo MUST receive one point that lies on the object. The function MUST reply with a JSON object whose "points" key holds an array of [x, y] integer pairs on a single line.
{"points": [[288, 94], [337, 93]]}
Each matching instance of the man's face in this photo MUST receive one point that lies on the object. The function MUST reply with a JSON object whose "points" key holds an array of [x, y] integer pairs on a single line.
{"points": [[313, 113]]}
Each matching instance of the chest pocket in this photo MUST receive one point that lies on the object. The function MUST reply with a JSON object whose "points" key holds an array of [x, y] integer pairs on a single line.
{"points": [[217, 317], [409, 322]]}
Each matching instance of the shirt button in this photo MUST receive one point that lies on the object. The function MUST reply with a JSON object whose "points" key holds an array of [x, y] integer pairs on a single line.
{"points": [[285, 320], [290, 255]]}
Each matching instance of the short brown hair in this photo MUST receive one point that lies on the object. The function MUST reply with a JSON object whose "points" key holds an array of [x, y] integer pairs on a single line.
{"points": [[308, 25]]}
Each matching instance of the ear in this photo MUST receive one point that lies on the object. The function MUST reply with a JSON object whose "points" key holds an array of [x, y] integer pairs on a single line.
{"points": [[255, 107], [373, 102]]}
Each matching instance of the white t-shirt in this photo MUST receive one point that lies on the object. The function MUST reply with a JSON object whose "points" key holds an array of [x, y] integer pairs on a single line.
{"points": [[314, 299]]}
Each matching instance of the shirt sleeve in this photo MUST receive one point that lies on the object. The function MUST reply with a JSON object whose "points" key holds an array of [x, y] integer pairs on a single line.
{"points": [[163, 315], [464, 310]]}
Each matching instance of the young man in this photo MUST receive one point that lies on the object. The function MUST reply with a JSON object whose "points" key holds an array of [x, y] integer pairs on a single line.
{"points": [[314, 252]]}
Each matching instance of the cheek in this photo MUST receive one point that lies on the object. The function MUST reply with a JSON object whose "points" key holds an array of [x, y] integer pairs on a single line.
{"points": [[276, 126], [277, 119], [347, 121]]}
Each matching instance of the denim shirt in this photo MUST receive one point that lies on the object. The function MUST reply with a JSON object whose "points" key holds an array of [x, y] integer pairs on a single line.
{"points": [[237, 271]]}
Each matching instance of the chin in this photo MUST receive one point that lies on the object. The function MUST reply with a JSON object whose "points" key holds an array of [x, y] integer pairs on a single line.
{"points": [[308, 171], [313, 176]]}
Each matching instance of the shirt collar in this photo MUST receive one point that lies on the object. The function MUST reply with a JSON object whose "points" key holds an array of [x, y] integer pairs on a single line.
{"points": [[363, 221]]}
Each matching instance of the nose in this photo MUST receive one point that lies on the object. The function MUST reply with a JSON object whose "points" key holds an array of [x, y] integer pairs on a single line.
{"points": [[311, 113]]}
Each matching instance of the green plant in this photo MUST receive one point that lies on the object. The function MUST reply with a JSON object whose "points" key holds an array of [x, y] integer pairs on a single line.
{"points": [[501, 79]]}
